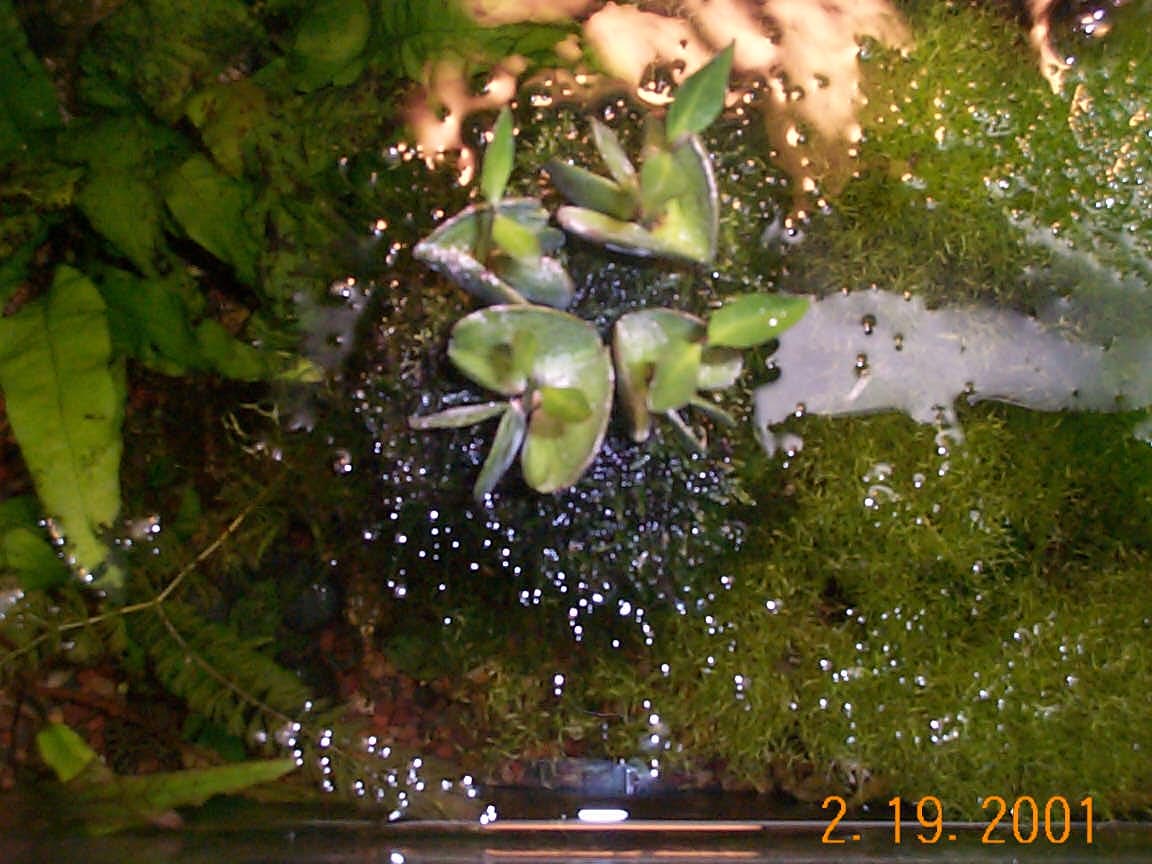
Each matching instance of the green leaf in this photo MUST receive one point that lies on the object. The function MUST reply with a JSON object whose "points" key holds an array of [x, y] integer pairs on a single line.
{"points": [[719, 368], [65, 752], [700, 98], [65, 400], [617, 161], [458, 417], [25, 551], [150, 321], [565, 403], [514, 239], [230, 116], [640, 342], [674, 379], [585, 189], [753, 319], [235, 358], [498, 159], [126, 210], [568, 354], [451, 249], [27, 97], [330, 42], [509, 436], [660, 181], [212, 209]]}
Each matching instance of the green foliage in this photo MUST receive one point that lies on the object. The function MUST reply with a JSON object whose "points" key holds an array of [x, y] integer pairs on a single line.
{"points": [[218, 674], [25, 552], [753, 319], [700, 98], [498, 158], [414, 33], [329, 43], [215, 211], [65, 391], [27, 100], [108, 803]]}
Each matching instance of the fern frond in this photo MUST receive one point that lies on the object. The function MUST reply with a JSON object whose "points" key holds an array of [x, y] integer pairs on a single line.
{"points": [[217, 673]]}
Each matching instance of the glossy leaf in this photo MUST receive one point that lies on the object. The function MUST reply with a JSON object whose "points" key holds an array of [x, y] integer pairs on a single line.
{"points": [[509, 437], [498, 159], [660, 180], [451, 250], [585, 189], [640, 342], [616, 160], [687, 224], [513, 238], [568, 355], [700, 98], [674, 378], [753, 319], [565, 403], [65, 400], [458, 416]]}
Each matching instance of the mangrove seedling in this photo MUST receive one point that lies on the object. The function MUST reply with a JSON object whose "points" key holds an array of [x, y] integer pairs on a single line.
{"points": [[500, 250], [558, 378], [669, 208], [664, 357]]}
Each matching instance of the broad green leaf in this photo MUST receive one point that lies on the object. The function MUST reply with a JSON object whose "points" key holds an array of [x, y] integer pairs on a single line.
{"points": [[674, 379], [700, 98], [65, 752], [630, 237], [689, 223], [450, 249], [27, 97], [459, 416], [660, 180], [641, 340], [537, 280], [150, 321], [234, 358], [25, 551], [330, 42], [107, 802], [127, 211], [514, 239], [525, 347], [565, 403], [617, 161], [719, 368], [585, 189], [229, 116], [753, 319], [505, 446], [65, 401], [212, 208], [558, 450], [568, 354], [481, 348], [499, 156]]}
